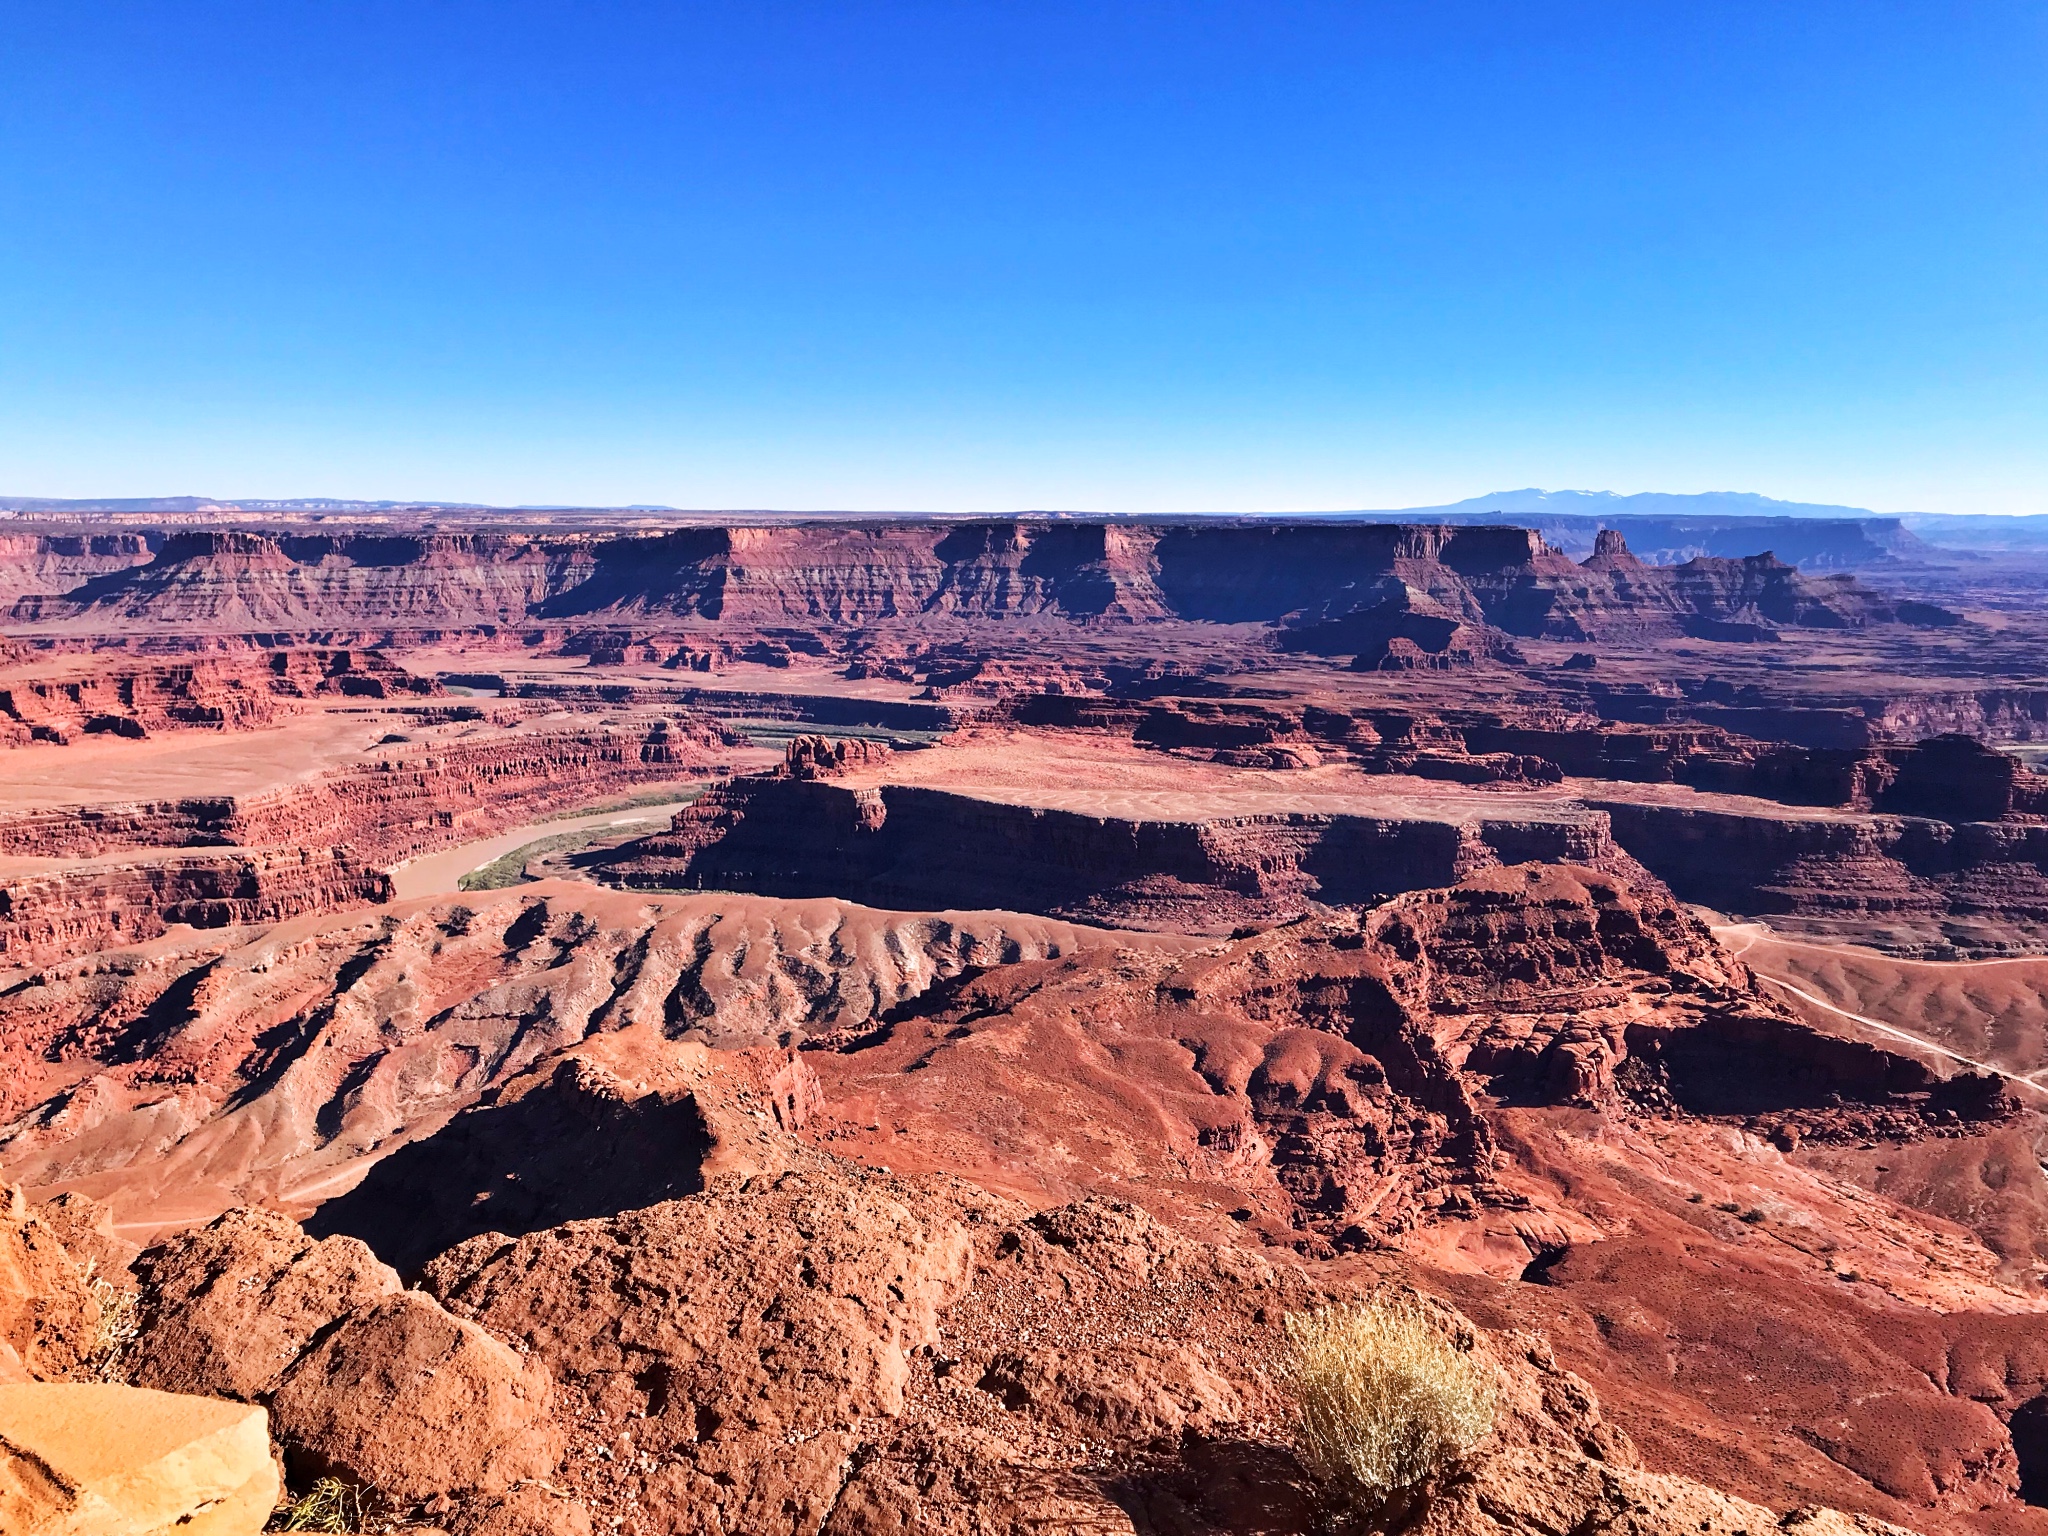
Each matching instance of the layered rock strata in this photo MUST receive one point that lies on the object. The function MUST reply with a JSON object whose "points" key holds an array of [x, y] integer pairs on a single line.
{"points": [[208, 694], [918, 847], [1506, 579]]}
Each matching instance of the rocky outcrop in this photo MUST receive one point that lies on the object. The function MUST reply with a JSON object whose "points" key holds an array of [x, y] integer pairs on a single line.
{"points": [[823, 757], [1340, 1077], [318, 844], [235, 693], [836, 1349], [237, 581], [916, 847], [619, 1122], [1914, 885], [364, 1381], [230, 1306], [105, 1460], [1518, 1077], [403, 1398], [398, 799], [49, 1314], [61, 562], [239, 1065], [98, 903]]}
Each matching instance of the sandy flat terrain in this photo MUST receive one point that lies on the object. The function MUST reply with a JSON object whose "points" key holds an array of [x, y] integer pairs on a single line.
{"points": [[97, 769], [94, 770], [1106, 776]]}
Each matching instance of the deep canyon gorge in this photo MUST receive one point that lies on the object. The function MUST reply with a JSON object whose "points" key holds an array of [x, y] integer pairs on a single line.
{"points": [[860, 1026]]}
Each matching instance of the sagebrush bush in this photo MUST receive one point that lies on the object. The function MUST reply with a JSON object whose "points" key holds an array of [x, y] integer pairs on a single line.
{"points": [[1383, 1398]]}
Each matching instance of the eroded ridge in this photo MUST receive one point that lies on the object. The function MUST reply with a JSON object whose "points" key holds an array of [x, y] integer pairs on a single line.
{"points": [[557, 1024]]}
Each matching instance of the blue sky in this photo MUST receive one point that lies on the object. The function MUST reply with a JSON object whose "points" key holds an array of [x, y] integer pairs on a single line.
{"points": [[991, 255]]}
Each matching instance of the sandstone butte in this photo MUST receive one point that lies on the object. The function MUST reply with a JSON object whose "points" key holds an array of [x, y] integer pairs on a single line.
{"points": [[931, 998]]}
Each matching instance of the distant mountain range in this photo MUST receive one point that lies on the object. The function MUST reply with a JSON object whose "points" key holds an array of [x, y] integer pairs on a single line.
{"points": [[1667, 526], [1533, 503]]}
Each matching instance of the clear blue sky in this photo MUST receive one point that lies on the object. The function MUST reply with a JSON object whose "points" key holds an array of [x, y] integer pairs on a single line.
{"points": [[994, 255]]}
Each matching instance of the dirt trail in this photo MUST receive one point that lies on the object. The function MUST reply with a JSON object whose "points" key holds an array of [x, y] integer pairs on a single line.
{"points": [[1747, 935]]}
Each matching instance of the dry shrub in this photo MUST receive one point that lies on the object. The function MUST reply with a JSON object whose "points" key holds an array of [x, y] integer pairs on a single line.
{"points": [[334, 1508], [119, 1321], [1383, 1397]]}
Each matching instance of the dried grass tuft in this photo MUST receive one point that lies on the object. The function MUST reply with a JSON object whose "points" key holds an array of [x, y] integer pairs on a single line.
{"points": [[1383, 1398], [333, 1508], [114, 1334]]}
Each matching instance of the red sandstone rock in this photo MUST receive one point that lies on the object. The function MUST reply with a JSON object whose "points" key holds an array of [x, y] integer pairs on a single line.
{"points": [[85, 1227], [229, 1308], [416, 1404], [820, 757], [1495, 1079], [48, 1313]]}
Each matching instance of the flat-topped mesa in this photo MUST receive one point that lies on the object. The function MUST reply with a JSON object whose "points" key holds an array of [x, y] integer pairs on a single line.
{"points": [[1199, 870], [882, 575], [242, 581]]}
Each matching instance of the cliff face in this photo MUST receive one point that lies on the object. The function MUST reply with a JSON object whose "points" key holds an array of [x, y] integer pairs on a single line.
{"points": [[256, 581], [405, 798], [47, 563], [100, 903], [215, 693], [1916, 885], [91, 876], [748, 578], [909, 846]]}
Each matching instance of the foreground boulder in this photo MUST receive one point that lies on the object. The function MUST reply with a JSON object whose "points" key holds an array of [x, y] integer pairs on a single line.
{"points": [[89, 1459], [745, 1334], [418, 1404], [835, 1349], [228, 1307], [49, 1318], [365, 1381]]}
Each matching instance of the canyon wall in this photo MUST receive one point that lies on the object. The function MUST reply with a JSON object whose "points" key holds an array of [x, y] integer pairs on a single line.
{"points": [[919, 848], [1915, 885], [98, 903], [84, 877], [883, 574], [212, 693]]}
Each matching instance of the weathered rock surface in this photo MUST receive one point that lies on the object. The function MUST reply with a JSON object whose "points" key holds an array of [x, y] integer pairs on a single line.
{"points": [[231, 1306], [363, 1380], [621, 1121], [49, 1316], [178, 1079], [100, 1460], [641, 1145], [717, 1302], [906, 572], [417, 1404], [397, 800], [917, 847], [214, 693], [1332, 1078]]}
